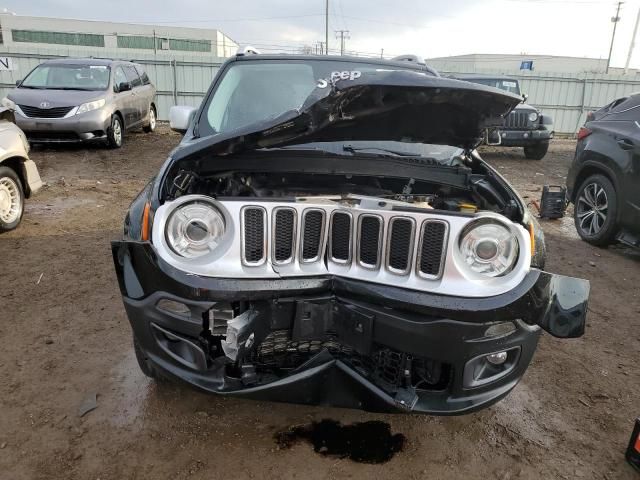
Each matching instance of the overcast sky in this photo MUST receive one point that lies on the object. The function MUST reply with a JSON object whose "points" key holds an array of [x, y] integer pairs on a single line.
{"points": [[427, 27]]}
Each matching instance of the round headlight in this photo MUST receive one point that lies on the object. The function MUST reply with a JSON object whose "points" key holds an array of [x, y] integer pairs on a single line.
{"points": [[533, 116], [489, 248], [194, 229]]}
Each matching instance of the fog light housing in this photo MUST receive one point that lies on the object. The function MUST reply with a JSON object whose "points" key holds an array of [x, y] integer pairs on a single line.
{"points": [[497, 358]]}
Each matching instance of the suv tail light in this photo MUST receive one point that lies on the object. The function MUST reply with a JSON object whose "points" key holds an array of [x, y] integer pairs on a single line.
{"points": [[583, 133]]}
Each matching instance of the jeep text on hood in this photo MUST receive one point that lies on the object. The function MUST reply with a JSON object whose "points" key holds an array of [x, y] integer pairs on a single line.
{"points": [[326, 233]]}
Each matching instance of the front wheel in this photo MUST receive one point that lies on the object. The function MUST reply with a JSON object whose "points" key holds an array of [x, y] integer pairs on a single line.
{"points": [[152, 120], [595, 210], [537, 151], [115, 133], [11, 199]]}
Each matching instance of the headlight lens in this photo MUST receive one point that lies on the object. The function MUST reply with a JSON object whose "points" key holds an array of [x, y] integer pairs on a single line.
{"points": [[489, 248], [7, 103], [533, 116], [194, 229], [87, 107]]}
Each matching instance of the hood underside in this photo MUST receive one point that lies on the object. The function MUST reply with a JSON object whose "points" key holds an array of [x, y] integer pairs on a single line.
{"points": [[394, 105]]}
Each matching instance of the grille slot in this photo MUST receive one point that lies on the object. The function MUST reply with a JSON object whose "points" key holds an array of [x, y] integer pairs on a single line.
{"points": [[36, 112], [312, 234], [369, 241], [254, 235], [400, 245], [432, 244], [341, 237], [284, 234]]}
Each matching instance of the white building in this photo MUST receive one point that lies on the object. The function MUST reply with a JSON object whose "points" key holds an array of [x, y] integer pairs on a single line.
{"points": [[126, 40], [512, 63]]}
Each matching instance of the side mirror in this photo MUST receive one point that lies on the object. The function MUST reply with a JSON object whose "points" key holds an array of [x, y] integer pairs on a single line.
{"points": [[124, 87], [524, 97], [180, 118], [18, 83]]}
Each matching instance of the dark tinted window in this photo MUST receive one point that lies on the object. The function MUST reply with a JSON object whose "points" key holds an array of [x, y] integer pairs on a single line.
{"points": [[625, 109], [132, 75], [143, 75]]}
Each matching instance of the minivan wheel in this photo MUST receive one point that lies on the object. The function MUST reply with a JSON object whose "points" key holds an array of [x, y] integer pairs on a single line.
{"points": [[152, 120], [595, 210], [115, 134], [536, 151], [11, 199]]}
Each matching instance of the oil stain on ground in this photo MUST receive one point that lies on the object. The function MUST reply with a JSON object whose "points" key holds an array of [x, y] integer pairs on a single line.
{"points": [[366, 442]]}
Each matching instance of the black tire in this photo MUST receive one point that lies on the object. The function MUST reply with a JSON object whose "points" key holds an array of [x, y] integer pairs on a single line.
{"points": [[11, 199], [153, 119], [593, 195], [143, 362], [115, 133], [537, 151]]}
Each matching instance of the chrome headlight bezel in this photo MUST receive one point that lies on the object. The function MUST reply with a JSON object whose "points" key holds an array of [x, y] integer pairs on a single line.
{"points": [[488, 248], [194, 229]]}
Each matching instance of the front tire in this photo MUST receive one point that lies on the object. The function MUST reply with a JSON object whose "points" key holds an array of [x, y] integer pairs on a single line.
{"points": [[153, 117], [115, 133], [595, 211], [536, 151], [11, 199]]}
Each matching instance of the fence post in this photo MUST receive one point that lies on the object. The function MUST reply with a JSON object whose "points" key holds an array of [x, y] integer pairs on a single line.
{"points": [[582, 103], [174, 67]]}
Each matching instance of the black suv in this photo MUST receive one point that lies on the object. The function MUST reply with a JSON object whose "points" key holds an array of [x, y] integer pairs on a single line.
{"points": [[604, 178], [326, 233], [524, 127]]}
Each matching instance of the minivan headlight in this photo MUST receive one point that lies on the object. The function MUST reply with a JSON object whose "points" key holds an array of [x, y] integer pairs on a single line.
{"points": [[488, 248], [89, 106], [194, 229]]}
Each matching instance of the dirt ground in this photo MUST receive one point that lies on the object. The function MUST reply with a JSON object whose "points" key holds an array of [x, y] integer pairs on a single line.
{"points": [[65, 338]]}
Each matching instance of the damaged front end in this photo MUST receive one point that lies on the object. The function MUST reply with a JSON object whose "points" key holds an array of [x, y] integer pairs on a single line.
{"points": [[277, 262]]}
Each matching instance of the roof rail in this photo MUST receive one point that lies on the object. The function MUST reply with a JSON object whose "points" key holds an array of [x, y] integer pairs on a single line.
{"points": [[248, 50], [409, 58]]}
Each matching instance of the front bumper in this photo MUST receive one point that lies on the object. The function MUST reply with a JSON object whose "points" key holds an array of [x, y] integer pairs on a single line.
{"points": [[88, 126], [450, 332], [520, 138]]}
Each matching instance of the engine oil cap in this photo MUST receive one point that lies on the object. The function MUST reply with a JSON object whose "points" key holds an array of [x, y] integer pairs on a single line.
{"points": [[633, 452]]}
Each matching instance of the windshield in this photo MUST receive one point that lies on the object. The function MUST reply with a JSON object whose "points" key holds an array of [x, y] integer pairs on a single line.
{"points": [[68, 77], [510, 86], [250, 92]]}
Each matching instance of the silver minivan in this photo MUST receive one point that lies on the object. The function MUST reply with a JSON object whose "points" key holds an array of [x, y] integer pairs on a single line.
{"points": [[82, 100]]}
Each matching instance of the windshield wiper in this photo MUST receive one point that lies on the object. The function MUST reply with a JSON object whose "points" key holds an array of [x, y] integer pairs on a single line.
{"points": [[395, 153]]}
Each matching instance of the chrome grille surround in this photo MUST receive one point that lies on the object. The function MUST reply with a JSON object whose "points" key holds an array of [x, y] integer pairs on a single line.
{"points": [[262, 242], [412, 235], [334, 214], [274, 235], [453, 277], [360, 242]]}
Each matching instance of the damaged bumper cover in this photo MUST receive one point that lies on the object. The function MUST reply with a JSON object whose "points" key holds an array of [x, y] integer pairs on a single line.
{"points": [[355, 344]]}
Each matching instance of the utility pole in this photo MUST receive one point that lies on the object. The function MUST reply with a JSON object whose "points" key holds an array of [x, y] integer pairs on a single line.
{"points": [[320, 47], [155, 43], [342, 35], [615, 21], [633, 42], [382, 53], [326, 26]]}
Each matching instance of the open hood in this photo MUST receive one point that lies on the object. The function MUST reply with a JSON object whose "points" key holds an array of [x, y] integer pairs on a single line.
{"points": [[387, 105]]}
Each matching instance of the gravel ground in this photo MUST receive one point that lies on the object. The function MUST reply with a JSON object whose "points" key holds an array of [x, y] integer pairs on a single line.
{"points": [[65, 338]]}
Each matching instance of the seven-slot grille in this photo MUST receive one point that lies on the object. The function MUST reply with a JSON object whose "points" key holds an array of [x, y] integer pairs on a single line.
{"points": [[407, 243], [517, 120], [36, 112]]}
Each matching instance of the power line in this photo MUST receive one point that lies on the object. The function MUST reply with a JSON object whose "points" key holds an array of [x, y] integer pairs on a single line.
{"points": [[342, 35]]}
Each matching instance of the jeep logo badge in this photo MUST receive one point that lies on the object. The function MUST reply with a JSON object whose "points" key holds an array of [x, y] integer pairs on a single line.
{"points": [[45, 105]]}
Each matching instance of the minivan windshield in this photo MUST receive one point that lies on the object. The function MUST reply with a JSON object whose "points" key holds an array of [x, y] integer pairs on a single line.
{"points": [[68, 77]]}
